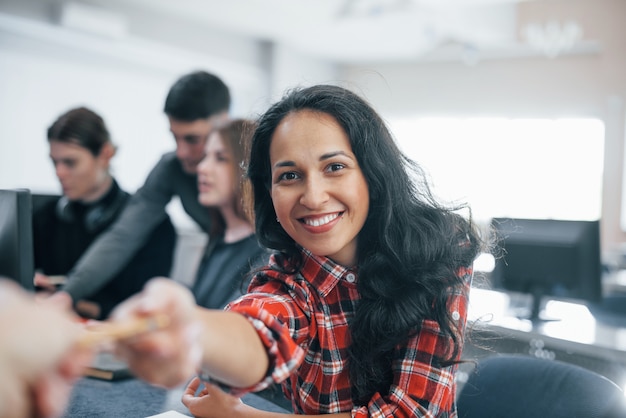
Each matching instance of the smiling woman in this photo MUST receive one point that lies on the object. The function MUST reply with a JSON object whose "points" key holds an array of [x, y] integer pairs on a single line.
{"points": [[361, 309]]}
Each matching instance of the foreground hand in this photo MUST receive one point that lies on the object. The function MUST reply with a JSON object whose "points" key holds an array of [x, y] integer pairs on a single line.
{"points": [[169, 356], [211, 401], [39, 357], [60, 299]]}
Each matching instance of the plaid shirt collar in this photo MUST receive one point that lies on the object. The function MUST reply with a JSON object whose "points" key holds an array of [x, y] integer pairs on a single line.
{"points": [[322, 272]]}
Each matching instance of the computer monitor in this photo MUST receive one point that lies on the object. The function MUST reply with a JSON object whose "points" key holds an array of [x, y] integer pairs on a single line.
{"points": [[39, 200], [16, 237], [548, 257]]}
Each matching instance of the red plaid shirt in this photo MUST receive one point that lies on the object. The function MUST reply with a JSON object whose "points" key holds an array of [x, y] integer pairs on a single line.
{"points": [[303, 321]]}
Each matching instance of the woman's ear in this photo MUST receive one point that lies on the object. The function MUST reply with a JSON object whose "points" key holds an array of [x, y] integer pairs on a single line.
{"points": [[107, 152]]}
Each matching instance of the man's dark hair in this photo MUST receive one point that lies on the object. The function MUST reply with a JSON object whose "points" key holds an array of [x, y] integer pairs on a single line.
{"points": [[197, 95], [80, 126]]}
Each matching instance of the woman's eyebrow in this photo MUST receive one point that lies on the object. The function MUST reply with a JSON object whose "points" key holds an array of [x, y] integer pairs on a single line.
{"points": [[285, 164], [333, 154], [323, 157]]}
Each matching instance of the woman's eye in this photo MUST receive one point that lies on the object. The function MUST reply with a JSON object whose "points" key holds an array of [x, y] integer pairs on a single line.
{"points": [[335, 167], [290, 175], [222, 156]]}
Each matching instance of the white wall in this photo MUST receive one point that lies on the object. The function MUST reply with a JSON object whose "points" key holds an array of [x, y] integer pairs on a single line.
{"points": [[291, 68]]}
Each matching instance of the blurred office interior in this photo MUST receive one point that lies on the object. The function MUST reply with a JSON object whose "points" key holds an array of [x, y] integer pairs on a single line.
{"points": [[516, 107]]}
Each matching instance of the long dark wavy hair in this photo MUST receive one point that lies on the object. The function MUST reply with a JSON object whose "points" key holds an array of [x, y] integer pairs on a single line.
{"points": [[409, 250]]}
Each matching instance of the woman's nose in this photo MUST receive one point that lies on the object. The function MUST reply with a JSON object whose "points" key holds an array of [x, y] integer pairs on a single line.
{"points": [[314, 194], [204, 164]]}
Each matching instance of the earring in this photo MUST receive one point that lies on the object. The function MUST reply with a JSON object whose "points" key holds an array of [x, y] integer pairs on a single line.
{"points": [[277, 220]]}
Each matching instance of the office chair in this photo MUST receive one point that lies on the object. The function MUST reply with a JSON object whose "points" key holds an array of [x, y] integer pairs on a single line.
{"points": [[516, 386]]}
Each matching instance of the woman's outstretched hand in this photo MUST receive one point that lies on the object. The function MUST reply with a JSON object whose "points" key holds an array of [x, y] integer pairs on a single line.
{"points": [[168, 356]]}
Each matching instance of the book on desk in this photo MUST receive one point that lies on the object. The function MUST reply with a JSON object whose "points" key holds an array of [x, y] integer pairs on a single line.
{"points": [[106, 366]]}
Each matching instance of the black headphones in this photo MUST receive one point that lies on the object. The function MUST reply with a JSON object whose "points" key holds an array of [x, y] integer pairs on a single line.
{"points": [[98, 215]]}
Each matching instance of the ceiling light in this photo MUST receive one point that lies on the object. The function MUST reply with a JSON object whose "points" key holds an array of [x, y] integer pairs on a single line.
{"points": [[552, 38]]}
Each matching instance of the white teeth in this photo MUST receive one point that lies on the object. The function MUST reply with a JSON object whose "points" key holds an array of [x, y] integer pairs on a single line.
{"points": [[321, 221]]}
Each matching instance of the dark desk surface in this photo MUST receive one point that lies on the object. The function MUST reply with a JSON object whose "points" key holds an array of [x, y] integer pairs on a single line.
{"points": [[133, 398], [577, 334], [571, 324]]}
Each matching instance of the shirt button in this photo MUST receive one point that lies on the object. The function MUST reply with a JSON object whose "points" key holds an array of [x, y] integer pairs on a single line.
{"points": [[456, 316], [350, 277]]}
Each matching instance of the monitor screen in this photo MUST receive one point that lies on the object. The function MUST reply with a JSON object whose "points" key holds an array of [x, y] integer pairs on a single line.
{"points": [[16, 237], [548, 257], [39, 200]]}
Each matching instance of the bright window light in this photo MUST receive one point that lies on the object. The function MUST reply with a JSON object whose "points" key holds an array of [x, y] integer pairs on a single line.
{"points": [[485, 263], [524, 168]]}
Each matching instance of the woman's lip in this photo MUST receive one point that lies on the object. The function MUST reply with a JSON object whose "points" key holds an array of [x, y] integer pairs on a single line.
{"points": [[321, 228], [203, 185]]}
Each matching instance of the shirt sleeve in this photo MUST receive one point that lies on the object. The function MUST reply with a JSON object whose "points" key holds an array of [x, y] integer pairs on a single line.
{"points": [[115, 247], [280, 323], [421, 386]]}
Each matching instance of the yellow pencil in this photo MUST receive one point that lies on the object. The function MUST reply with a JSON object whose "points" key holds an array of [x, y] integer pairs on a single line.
{"points": [[114, 330]]}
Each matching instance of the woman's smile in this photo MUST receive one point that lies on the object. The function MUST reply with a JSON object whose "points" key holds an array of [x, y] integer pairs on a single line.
{"points": [[320, 195], [319, 224]]}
